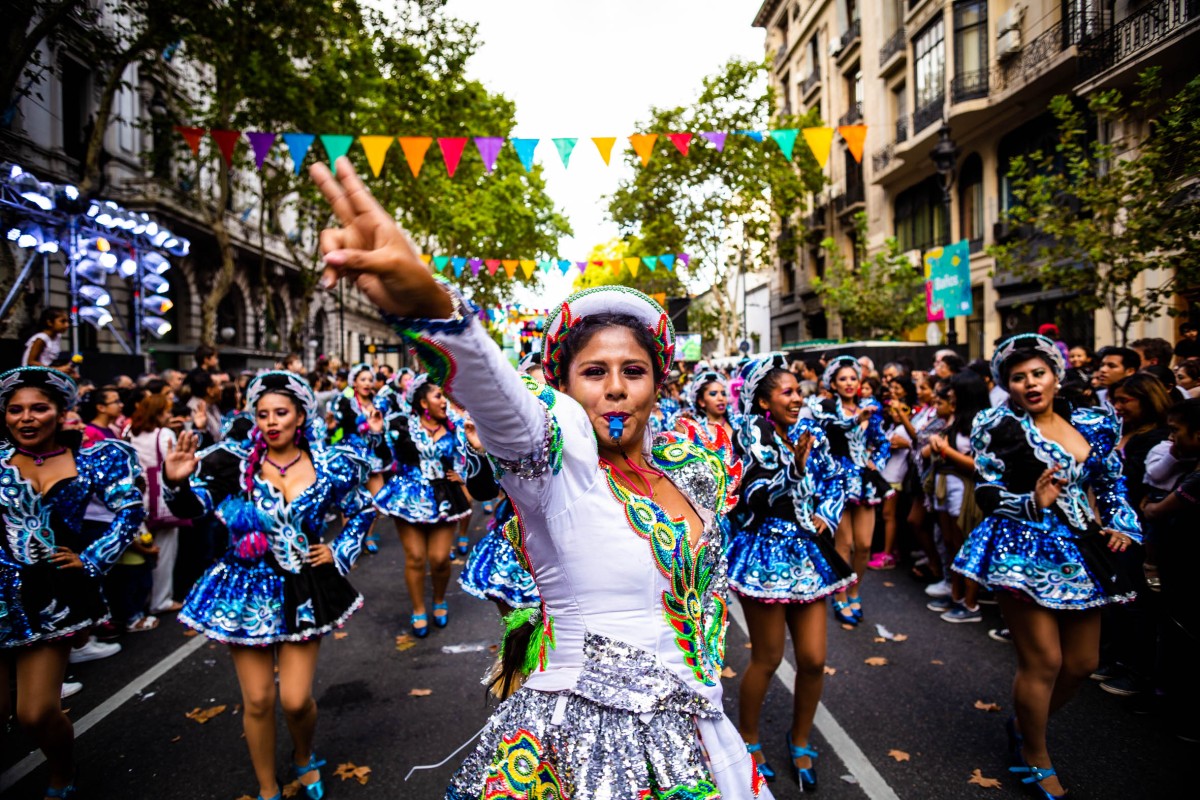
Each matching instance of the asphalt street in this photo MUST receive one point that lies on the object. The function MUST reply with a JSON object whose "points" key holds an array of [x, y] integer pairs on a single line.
{"points": [[908, 728]]}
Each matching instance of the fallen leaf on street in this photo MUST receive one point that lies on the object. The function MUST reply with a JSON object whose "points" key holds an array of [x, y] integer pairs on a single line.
{"points": [[190, 633], [492, 648], [204, 715], [878, 639], [728, 673], [245, 797], [875, 661], [888, 584], [899, 755], [982, 706], [350, 770], [176, 739], [937, 662], [405, 642], [846, 627], [340, 635], [987, 783], [830, 670], [900, 637], [420, 692], [292, 789]]}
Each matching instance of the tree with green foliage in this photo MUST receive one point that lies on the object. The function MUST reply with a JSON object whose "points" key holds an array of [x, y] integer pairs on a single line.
{"points": [[718, 206], [1112, 220], [878, 295]]}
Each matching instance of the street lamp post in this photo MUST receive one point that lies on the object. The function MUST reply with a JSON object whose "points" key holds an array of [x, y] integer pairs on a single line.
{"points": [[945, 161]]}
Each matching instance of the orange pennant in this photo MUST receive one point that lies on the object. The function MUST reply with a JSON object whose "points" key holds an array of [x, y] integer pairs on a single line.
{"points": [[528, 267], [643, 145], [819, 141], [615, 265], [605, 145], [376, 148], [855, 136], [414, 148], [510, 266]]}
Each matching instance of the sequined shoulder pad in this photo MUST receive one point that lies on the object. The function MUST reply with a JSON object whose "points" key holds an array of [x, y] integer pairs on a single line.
{"points": [[550, 455], [697, 472], [109, 463], [1099, 426], [342, 465]]}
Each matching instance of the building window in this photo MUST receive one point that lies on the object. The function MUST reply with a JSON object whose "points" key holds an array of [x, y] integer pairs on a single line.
{"points": [[970, 202], [814, 53], [1039, 134], [900, 104], [76, 108], [970, 50], [919, 214], [929, 53]]}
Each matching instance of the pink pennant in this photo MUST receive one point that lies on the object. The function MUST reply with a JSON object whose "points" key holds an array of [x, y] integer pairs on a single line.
{"points": [[261, 143], [492, 265], [489, 150], [682, 141], [452, 150], [717, 138]]}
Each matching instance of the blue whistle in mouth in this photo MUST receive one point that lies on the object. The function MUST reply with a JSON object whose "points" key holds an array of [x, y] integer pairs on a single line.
{"points": [[616, 426]]}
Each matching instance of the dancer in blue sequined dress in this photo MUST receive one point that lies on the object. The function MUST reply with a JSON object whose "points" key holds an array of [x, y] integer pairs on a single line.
{"points": [[1040, 546], [280, 588], [782, 559], [50, 568]]}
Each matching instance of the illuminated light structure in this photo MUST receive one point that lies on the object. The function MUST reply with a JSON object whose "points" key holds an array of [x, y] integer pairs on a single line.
{"points": [[99, 239]]}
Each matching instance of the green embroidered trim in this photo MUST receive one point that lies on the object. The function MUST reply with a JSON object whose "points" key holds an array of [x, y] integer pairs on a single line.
{"points": [[439, 361], [702, 790]]}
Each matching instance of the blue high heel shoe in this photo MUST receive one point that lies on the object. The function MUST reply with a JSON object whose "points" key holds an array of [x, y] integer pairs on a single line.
{"points": [[277, 796], [764, 768], [851, 602], [313, 791], [1034, 778], [65, 792], [444, 619], [420, 633], [843, 614], [462, 545], [807, 778]]}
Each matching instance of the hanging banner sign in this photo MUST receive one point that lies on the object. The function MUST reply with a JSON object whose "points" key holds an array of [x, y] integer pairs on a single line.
{"points": [[949, 281]]}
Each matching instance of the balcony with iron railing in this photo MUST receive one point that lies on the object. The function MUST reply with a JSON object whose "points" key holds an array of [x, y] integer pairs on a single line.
{"points": [[854, 198], [896, 43], [883, 157], [853, 116], [928, 113], [851, 36], [969, 85], [811, 82], [1147, 27]]}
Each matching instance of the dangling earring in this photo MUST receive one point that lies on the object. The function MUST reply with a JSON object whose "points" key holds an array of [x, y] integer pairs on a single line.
{"points": [[769, 416], [428, 416], [296, 438]]}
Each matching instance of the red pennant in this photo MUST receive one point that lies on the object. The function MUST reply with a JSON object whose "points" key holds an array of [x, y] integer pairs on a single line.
{"points": [[682, 141], [192, 136], [226, 142], [492, 265], [452, 150]]}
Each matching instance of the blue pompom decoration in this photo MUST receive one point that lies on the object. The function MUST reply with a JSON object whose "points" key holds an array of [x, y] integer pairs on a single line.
{"points": [[241, 516]]}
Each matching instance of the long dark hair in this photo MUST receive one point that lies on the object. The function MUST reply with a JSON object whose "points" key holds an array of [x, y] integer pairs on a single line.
{"points": [[765, 386], [1151, 395], [970, 397], [582, 332]]}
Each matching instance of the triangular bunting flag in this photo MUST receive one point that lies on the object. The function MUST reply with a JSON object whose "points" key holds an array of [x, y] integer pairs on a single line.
{"points": [[459, 263], [755, 135], [564, 265], [336, 145], [475, 264], [819, 141], [525, 148], [192, 136], [786, 139], [492, 265], [414, 148], [298, 145], [615, 265], [605, 145], [489, 150], [528, 267], [452, 150], [643, 145], [668, 261], [376, 148], [855, 136], [632, 265], [650, 261], [545, 266], [426, 257], [226, 143], [510, 267], [565, 146], [682, 141], [717, 138], [440, 262], [260, 143], [685, 258]]}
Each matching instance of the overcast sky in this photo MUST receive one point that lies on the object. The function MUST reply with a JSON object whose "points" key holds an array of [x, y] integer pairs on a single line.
{"points": [[577, 68]]}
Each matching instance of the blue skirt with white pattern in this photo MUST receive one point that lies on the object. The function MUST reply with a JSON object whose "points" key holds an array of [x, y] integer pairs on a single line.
{"points": [[493, 573], [778, 562], [413, 499]]}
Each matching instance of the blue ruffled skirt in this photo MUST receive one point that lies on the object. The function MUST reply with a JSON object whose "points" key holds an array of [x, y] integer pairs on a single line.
{"points": [[1055, 567], [257, 603], [39, 602], [492, 573], [778, 562], [413, 499], [862, 485]]}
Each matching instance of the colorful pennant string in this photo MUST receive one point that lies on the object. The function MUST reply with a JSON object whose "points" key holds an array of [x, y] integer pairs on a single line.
{"points": [[336, 146], [565, 146], [525, 148], [452, 150], [298, 145], [415, 148], [261, 144]]}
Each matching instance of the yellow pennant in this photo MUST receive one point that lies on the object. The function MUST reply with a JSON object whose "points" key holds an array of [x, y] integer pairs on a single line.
{"points": [[510, 266], [643, 145], [528, 267], [424, 256], [376, 148], [632, 264], [819, 141], [605, 145]]}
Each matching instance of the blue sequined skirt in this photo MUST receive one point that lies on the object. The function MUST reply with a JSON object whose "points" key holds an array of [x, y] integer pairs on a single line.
{"points": [[413, 499], [862, 485], [1050, 566], [257, 603], [493, 573], [363, 449], [777, 562], [39, 603]]}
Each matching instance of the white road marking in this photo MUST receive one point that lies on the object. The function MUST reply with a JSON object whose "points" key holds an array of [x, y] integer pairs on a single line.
{"points": [[869, 779], [16, 772]]}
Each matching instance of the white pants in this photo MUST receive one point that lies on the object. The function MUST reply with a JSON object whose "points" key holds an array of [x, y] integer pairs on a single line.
{"points": [[162, 589]]}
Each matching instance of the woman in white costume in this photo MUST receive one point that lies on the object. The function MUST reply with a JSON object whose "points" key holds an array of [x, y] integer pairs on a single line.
{"points": [[623, 693]]}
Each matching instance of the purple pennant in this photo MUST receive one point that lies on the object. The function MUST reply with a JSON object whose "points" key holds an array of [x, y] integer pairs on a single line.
{"points": [[261, 143], [475, 264], [717, 138], [685, 258], [489, 150]]}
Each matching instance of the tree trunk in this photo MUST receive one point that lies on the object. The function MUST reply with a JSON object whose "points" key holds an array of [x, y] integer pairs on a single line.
{"points": [[90, 173]]}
